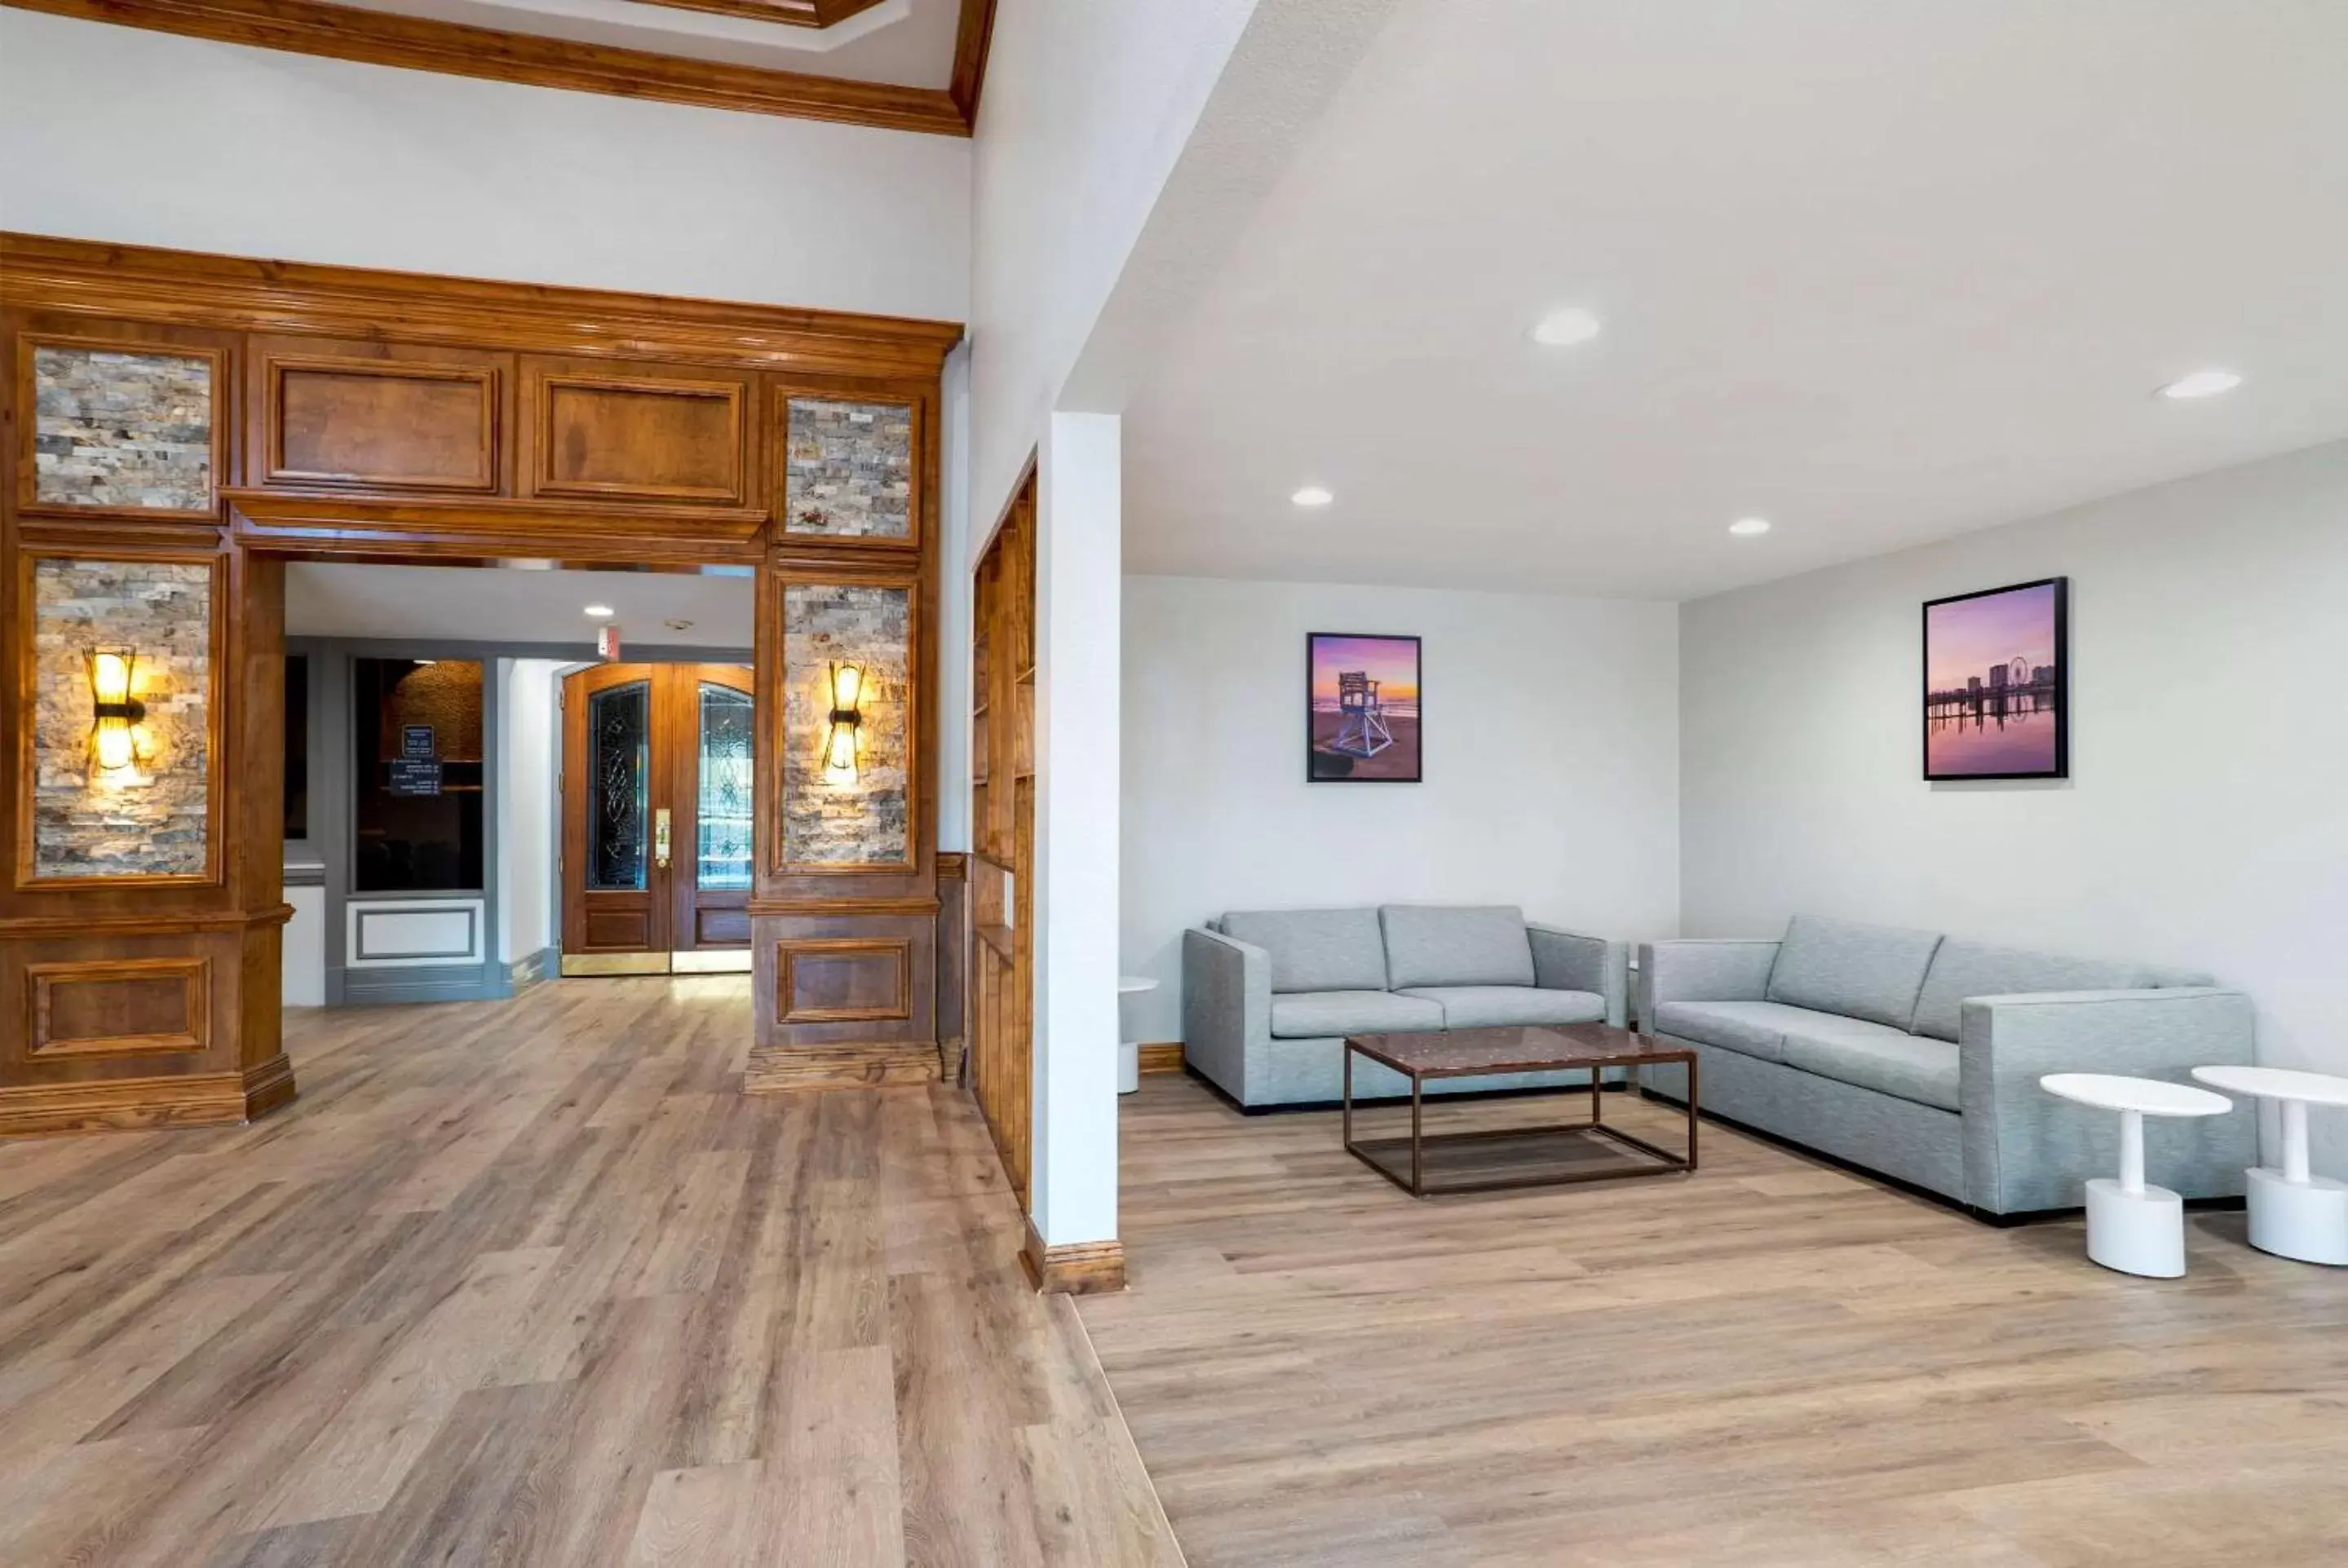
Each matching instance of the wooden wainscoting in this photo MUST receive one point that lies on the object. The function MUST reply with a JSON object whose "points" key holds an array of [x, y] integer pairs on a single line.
{"points": [[1002, 825]]}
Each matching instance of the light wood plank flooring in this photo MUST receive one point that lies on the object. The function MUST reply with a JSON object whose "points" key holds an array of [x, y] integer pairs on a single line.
{"points": [[531, 1282], [1769, 1362]]}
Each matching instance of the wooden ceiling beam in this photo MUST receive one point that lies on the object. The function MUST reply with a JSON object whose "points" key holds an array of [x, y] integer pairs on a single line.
{"points": [[418, 42]]}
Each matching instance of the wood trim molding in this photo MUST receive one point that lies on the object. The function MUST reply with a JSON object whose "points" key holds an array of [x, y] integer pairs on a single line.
{"points": [[573, 532], [546, 381], [973, 38], [1162, 1056], [192, 971], [1080, 1268], [849, 906], [791, 950], [270, 416], [185, 1099], [815, 14], [166, 923], [455, 49], [953, 864], [867, 1064], [192, 288]]}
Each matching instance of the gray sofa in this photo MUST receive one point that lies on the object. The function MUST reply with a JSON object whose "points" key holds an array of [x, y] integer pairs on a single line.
{"points": [[1268, 996], [1919, 1056]]}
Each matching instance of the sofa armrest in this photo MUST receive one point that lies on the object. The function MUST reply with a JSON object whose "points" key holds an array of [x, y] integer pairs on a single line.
{"points": [[1702, 970], [1226, 1009], [1567, 961], [2027, 1150]]}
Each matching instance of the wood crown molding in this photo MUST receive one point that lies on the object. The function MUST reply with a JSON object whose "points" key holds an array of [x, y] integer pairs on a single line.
{"points": [[818, 14], [455, 49], [192, 288], [973, 38], [1082, 1268]]}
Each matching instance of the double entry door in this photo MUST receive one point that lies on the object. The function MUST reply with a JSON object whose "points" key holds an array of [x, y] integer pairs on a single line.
{"points": [[656, 813]]}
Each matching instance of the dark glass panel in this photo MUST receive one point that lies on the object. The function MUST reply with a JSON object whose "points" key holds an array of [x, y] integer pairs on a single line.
{"points": [[619, 762]]}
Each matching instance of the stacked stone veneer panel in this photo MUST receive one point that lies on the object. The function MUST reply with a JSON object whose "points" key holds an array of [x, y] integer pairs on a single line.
{"points": [[122, 430], [151, 820], [868, 822], [849, 471]]}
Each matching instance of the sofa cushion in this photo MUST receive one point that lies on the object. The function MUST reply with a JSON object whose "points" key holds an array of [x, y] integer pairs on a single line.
{"points": [[1749, 1029], [1496, 1007], [1872, 972], [1961, 969], [1436, 945], [1315, 949], [1878, 1057], [1309, 1015]]}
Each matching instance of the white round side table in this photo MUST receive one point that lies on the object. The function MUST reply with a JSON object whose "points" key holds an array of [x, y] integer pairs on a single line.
{"points": [[2132, 1227], [1129, 1052], [2293, 1214]]}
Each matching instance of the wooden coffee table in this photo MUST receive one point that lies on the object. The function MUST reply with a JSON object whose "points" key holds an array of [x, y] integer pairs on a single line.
{"points": [[1473, 1053]]}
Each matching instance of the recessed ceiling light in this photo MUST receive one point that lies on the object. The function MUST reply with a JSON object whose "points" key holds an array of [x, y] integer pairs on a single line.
{"points": [[2202, 384], [1562, 327], [1749, 526], [1312, 496], [600, 611]]}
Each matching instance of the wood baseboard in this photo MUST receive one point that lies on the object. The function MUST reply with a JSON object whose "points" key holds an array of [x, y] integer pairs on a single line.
{"points": [[133, 1104], [1162, 1056], [872, 1064], [1085, 1268]]}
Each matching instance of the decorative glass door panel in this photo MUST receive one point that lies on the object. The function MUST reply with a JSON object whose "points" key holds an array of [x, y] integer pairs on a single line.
{"points": [[619, 765], [656, 805], [722, 801]]}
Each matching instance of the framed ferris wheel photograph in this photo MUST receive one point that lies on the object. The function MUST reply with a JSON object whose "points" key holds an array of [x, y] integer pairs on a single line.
{"points": [[1997, 695]]}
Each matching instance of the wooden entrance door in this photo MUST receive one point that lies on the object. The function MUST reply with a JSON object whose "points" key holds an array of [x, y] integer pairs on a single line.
{"points": [[656, 813]]}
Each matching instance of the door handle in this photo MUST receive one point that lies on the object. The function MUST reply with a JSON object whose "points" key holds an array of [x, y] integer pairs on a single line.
{"points": [[660, 838]]}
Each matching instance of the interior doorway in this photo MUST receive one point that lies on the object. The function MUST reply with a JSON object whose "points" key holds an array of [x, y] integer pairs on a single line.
{"points": [[657, 807]]}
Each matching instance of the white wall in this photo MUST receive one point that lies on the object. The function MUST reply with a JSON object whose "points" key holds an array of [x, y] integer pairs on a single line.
{"points": [[530, 752], [1551, 751], [1078, 539], [1086, 108], [2206, 820], [121, 134]]}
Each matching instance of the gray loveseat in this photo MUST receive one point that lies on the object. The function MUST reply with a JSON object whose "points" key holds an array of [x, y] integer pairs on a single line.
{"points": [[1919, 1056], [1268, 996]]}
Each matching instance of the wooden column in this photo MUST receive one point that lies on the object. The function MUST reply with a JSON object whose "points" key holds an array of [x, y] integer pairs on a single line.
{"points": [[141, 904], [844, 918]]}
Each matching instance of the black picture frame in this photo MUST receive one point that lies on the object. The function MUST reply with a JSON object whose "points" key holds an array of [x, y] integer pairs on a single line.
{"points": [[1326, 767], [2058, 694]]}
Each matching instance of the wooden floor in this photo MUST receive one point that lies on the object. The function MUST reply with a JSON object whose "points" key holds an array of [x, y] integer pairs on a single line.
{"points": [[1769, 1362], [531, 1282]]}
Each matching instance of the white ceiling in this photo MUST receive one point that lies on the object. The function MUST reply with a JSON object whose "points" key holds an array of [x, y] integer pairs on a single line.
{"points": [[513, 605], [1879, 272], [908, 42]]}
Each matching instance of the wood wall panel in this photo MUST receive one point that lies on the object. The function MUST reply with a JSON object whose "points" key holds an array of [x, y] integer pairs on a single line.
{"points": [[844, 980], [637, 436], [119, 1006], [388, 425]]}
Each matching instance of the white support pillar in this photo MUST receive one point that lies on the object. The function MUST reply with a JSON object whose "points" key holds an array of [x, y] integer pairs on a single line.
{"points": [[1079, 599]]}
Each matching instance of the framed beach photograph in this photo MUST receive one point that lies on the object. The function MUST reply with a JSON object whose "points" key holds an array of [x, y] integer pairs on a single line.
{"points": [[1997, 697], [1362, 708]]}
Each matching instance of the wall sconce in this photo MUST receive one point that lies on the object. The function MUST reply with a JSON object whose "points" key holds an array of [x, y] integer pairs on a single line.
{"points": [[847, 717], [115, 713]]}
